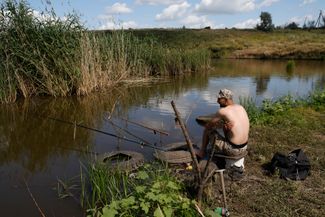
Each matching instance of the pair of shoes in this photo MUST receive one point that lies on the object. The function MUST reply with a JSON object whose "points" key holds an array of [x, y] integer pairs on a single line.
{"points": [[236, 173]]}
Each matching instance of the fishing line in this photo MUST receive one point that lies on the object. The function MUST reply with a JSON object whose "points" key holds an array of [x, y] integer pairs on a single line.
{"points": [[125, 130], [106, 133]]}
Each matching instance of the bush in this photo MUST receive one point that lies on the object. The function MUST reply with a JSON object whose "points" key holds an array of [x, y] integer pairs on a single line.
{"points": [[151, 191]]}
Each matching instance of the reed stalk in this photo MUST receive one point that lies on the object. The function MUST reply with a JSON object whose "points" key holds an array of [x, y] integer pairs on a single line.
{"points": [[51, 56]]}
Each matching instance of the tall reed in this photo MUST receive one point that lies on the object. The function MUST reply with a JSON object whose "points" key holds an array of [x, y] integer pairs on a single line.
{"points": [[46, 55], [38, 54]]}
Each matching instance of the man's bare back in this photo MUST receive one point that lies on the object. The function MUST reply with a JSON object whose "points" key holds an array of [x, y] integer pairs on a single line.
{"points": [[235, 123], [236, 117]]}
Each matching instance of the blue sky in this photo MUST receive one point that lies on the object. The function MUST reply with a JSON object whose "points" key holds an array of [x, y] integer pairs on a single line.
{"points": [[110, 14]]}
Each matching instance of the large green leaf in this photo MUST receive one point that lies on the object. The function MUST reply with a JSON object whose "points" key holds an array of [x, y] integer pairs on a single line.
{"points": [[158, 212]]}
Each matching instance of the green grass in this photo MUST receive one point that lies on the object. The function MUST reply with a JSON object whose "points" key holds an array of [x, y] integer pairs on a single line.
{"points": [[285, 125], [235, 43], [150, 191], [300, 127], [269, 109]]}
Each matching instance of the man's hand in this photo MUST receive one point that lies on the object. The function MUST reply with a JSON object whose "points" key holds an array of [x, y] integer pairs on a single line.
{"points": [[199, 153], [210, 125]]}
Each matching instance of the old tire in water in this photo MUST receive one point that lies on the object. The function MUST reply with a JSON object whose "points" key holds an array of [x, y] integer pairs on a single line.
{"points": [[121, 160], [176, 153]]}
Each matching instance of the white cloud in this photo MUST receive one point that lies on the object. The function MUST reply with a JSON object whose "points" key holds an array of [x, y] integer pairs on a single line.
{"points": [[309, 17], [111, 24], [305, 2], [46, 17], [296, 19], [225, 6], [158, 2], [267, 3], [173, 11], [118, 8], [193, 21], [129, 24], [247, 24]]}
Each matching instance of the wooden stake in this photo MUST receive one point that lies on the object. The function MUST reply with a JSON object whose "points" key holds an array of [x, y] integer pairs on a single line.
{"points": [[188, 141]]}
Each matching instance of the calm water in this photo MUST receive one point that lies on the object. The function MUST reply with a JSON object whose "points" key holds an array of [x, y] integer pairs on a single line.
{"points": [[39, 151]]}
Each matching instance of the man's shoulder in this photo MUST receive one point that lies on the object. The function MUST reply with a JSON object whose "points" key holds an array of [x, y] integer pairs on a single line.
{"points": [[231, 108]]}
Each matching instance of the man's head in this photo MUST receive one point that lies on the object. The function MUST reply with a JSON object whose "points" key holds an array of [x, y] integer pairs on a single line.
{"points": [[225, 97]]}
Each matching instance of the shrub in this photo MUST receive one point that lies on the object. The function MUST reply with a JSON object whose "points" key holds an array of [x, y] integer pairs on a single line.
{"points": [[151, 191]]}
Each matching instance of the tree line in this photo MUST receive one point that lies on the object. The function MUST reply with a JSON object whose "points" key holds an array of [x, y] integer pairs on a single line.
{"points": [[267, 25]]}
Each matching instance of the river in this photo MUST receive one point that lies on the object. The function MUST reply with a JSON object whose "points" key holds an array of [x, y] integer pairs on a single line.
{"points": [[37, 153]]}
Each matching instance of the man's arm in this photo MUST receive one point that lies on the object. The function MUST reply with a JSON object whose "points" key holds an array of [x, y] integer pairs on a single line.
{"points": [[215, 122]]}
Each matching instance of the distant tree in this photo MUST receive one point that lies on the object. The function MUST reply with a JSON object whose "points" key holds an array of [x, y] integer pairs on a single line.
{"points": [[266, 22], [292, 25]]}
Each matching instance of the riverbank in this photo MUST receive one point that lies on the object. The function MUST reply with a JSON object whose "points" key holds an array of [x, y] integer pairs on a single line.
{"points": [[288, 129], [297, 125], [236, 43]]}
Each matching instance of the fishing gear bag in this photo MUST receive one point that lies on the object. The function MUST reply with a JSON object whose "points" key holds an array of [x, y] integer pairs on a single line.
{"points": [[294, 166]]}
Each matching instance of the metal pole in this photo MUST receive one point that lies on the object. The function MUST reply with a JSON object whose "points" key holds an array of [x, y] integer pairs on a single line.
{"points": [[222, 180]]}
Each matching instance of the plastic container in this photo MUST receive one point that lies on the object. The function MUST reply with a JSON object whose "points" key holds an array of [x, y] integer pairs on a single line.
{"points": [[220, 211]]}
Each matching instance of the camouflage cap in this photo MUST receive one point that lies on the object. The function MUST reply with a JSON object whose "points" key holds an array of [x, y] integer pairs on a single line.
{"points": [[225, 93]]}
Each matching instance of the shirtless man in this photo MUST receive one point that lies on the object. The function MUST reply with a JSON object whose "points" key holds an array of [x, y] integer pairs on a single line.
{"points": [[235, 123]]}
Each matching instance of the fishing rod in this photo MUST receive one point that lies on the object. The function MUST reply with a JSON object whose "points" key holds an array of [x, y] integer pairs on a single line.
{"points": [[77, 150], [106, 133], [144, 126], [126, 131]]}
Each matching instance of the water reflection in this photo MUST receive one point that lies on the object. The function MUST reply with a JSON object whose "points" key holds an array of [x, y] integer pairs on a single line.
{"points": [[29, 137], [261, 83], [32, 143]]}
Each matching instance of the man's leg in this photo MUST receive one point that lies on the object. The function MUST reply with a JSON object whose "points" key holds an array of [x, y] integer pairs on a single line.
{"points": [[205, 141]]}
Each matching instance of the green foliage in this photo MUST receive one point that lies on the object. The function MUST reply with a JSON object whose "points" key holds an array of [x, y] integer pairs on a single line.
{"points": [[290, 66], [279, 106], [151, 191], [252, 110], [269, 109], [266, 22], [292, 25], [317, 99]]}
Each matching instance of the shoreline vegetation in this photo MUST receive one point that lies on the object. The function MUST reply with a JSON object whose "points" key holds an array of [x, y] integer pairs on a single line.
{"points": [[45, 55], [50, 56], [277, 126]]}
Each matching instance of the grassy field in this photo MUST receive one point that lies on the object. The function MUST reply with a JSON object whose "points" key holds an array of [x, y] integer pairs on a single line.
{"points": [[232, 43], [262, 195]]}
